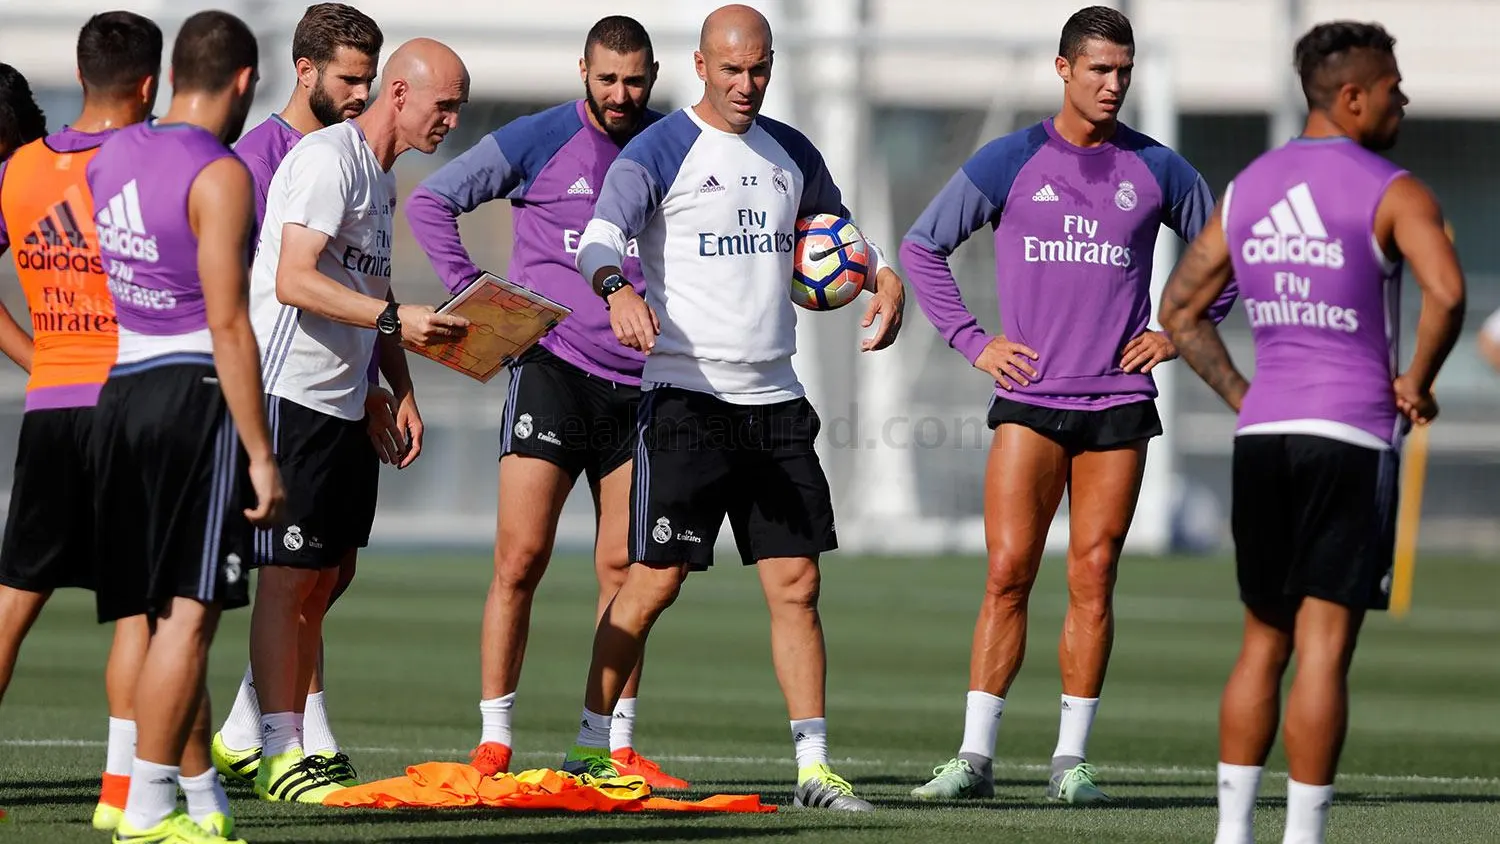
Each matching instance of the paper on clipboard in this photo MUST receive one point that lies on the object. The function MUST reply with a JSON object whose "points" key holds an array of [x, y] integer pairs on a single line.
{"points": [[504, 321]]}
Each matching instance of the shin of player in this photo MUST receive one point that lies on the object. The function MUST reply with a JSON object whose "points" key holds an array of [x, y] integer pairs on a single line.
{"points": [[1076, 203], [573, 397], [45, 218], [321, 302], [699, 170], [336, 50], [173, 215], [1315, 232]]}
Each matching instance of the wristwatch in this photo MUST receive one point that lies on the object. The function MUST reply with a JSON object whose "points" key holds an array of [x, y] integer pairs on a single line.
{"points": [[388, 322], [612, 284]]}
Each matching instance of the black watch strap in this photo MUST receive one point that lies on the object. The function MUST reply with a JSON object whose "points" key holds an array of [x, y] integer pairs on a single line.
{"points": [[612, 284], [389, 321]]}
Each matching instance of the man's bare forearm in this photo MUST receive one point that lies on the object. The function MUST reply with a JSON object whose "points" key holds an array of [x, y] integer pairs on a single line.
{"points": [[1200, 345]]}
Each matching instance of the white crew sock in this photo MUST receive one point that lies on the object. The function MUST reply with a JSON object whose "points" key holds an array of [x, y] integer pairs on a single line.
{"points": [[495, 715], [241, 730], [622, 725], [204, 795], [279, 734], [1238, 786], [1306, 812], [153, 793], [317, 735], [1073, 726], [982, 712], [810, 738], [120, 755], [593, 730]]}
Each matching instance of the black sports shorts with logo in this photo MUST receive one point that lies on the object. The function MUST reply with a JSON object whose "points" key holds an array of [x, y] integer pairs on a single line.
{"points": [[573, 419], [171, 490], [1314, 517], [699, 458], [332, 477], [1081, 430], [49, 532]]}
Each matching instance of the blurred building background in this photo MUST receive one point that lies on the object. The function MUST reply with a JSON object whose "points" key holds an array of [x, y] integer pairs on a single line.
{"points": [[898, 93]]}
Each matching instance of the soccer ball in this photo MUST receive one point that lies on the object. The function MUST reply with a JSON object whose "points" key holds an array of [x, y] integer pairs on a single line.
{"points": [[830, 261]]}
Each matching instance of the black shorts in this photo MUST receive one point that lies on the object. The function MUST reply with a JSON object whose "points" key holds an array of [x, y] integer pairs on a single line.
{"points": [[49, 533], [1314, 517], [700, 458], [171, 490], [1081, 430], [577, 421], [332, 474]]}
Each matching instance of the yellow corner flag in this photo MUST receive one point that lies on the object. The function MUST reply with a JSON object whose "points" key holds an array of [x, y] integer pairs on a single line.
{"points": [[1409, 518]]}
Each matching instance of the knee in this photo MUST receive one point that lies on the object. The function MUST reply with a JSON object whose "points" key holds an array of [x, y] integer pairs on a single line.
{"points": [[519, 566], [645, 594], [612, 566], [1091, 576], [1010, 577], [799, 591]]}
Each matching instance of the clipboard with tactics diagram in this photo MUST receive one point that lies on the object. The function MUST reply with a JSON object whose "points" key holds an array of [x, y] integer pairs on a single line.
{"points": [[504, 321]]}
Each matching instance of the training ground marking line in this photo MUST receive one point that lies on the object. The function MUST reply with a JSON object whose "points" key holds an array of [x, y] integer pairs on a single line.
{"points": [[1000, 764]]}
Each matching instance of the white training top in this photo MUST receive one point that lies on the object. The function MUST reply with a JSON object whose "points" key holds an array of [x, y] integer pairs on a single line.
{"points": [[714, 214], [330, 182]]}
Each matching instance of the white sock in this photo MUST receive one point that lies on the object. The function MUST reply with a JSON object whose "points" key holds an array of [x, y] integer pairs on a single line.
{"points": [[810, 738], [1074, 725], [121, 753], [241, 730], [279, 734], [153, 793], [622, 725], [1306, 812], [1238, 786], [205, 795], [593, 730], [494, 716], [981, 724], [317, 736]]}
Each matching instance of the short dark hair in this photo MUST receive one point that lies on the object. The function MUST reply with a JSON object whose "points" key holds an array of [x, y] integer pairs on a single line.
{"points": [[211, 48], [325, 27], [1323, 56], [21, 120], [116, 50], [619, 34], [1094, 22]]}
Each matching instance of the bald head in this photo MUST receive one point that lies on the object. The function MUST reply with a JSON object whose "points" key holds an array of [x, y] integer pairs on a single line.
{"points": [[424, 84], [423, 61], [734, 26]]}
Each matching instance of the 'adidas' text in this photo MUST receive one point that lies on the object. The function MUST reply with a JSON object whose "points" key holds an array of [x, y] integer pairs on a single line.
{"points": [[1046, 194], [121, 228], [1293, 233]]}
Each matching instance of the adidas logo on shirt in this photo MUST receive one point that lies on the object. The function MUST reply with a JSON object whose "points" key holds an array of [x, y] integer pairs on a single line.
{"points": [[121, 228], [1293, 233], [710, 185], [1046, 194], [57, 243], [580, 188]]}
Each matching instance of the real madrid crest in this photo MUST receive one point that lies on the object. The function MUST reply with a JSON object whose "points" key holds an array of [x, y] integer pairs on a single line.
{"points": [[1125, 198], [779, 181], [523, 426], [293, 538], [662, 533]]}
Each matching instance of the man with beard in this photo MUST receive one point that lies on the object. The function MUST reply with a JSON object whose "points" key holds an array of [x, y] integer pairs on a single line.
{"points": [[572, 403], [335, 50]]}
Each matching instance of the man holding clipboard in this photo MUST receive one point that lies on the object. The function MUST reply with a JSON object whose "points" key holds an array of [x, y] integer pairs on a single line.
{"points": [[571, 409]]}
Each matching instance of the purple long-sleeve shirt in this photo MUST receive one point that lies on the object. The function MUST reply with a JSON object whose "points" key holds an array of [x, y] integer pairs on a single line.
{"points": [[1075, 232], [551, 166]]}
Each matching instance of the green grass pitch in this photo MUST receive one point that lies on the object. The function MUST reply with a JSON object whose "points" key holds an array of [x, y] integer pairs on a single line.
{"points": [[1422, 762]]}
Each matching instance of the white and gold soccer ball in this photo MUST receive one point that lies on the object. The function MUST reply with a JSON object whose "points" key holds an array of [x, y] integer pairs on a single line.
{"points": [[830, 262]]}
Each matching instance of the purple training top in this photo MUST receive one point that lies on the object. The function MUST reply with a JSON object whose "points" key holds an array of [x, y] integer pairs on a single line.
{"points": [[551, 166], [262, 149], [1075, 232], [140, 180], [1323, 301]]}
